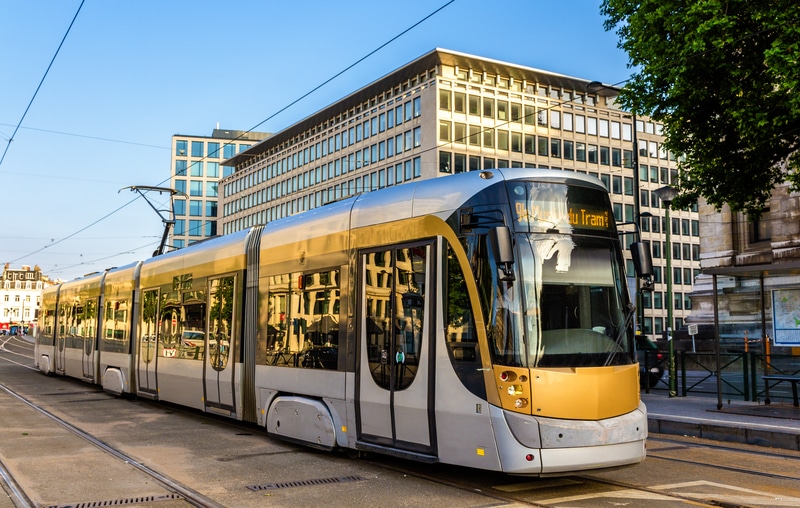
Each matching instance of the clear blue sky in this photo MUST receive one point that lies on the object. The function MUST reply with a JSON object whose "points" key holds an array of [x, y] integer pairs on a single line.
{"points": [[132, 74]]}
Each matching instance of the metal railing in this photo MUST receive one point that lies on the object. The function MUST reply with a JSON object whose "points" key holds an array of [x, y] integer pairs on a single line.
{"points": [[740, 374]]}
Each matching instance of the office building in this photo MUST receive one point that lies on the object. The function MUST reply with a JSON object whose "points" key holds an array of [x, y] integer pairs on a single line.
{"points": [[448, 112], [196, 171]]}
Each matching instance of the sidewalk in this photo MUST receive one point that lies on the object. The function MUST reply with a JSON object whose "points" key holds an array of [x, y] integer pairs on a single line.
{"points": [[775, 425]]}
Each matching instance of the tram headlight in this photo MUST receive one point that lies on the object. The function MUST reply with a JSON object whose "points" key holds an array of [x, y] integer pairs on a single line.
{"points": [[507, 375], [515, 390], [521, 403]]}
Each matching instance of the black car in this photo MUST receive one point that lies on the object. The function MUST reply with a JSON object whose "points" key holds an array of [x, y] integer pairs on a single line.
{"points": [[650, 357]]}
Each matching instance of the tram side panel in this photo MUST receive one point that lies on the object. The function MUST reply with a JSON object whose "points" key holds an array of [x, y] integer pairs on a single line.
{"points": [[303, 347], [117, 330], [44, 348], [189, 326], [78, 315]]}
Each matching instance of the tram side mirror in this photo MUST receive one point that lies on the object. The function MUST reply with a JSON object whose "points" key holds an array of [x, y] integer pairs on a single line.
{"points": [[502, 250], [642, 260]]}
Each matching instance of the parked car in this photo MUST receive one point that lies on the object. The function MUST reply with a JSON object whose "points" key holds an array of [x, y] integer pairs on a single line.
{"points": [[647, 350]]}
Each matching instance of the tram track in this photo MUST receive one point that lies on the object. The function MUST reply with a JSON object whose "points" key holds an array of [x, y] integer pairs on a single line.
{"points": [[654, 454], [526, 492], [182, 491]]}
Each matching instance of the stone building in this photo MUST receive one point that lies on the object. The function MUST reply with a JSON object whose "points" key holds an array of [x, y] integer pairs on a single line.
{"points": [[20, 297], [755, 266]]}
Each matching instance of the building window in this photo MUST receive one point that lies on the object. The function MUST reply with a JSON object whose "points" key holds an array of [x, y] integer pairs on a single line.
{"points": [[474, 135], [460, 135], [196, 168], [213, 150], [502, 140], [530, 144], [530, 115], [502, 110], [516, 142], [195, 228], [555, 119], [460, 102], [211, 208], [195, 188], [760, 230], [197, 148], [445, 162], [445, 127], [555, 147], [180, 167], [181, 147], [196, 208], [488, 138], [593, 154], [568, 150], [543, 146], [488, 107], [180, 207], [474, 103], [444, 100], [212, 169], [460, 163], [592, 127], [604, 158]]}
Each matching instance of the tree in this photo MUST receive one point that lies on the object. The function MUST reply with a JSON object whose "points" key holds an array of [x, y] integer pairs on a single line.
{"points": [[724, 79]]}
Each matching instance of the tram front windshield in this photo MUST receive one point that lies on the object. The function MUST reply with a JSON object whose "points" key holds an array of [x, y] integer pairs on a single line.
{"points": [[573, 309]]}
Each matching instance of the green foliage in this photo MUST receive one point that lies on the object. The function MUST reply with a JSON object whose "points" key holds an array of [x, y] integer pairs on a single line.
{"points": [[723, 77]]}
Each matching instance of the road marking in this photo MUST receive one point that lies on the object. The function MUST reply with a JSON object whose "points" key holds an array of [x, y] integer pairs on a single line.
{"points": [[721, 493]]}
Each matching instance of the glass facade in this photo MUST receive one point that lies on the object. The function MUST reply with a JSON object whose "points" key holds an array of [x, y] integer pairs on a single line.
{"points": [[196, 175]]}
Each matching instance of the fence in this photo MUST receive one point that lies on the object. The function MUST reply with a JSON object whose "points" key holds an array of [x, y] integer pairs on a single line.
{"points": [[740, 374]]}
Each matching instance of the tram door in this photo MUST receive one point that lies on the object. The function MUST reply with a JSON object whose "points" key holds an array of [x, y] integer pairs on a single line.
{"points": [[88, 329], [394, 383], [61, 338], [218, 369], [146, 357]]}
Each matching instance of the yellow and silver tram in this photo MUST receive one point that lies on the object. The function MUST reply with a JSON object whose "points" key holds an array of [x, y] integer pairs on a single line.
{"points": [[480, 319]]}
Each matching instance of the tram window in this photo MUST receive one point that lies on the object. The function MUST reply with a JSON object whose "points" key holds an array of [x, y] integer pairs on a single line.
{"points": [[116, 322], [148, 325], [302, 326], [394, 314], [220, 321], [462, 337], [192, 343]]}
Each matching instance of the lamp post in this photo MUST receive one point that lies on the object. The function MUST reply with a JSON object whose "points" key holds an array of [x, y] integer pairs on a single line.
{"points": [[666, 194], [596, 87]]}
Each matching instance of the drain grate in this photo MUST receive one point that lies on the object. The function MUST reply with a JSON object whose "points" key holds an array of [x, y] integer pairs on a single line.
{"points": [[119, 502], [306, 483]]}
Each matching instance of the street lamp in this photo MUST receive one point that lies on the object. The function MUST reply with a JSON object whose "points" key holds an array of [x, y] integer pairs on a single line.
{"points": [[667, 194], [596, 87]]}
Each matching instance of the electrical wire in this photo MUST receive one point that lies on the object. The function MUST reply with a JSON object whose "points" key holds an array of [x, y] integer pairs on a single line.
{"points": [[305, 95], [8, 145]]}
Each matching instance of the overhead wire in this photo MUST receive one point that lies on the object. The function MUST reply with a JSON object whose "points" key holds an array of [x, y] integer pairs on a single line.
{"points": [[273, 115], [8, 144]]}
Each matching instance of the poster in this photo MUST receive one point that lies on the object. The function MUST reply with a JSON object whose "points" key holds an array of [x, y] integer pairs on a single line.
{"points": [[786, 317]]}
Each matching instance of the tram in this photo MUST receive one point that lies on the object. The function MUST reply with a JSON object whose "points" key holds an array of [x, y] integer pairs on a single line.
{"points": [[480, 319]]}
